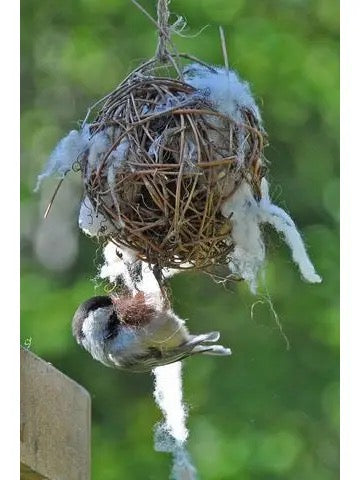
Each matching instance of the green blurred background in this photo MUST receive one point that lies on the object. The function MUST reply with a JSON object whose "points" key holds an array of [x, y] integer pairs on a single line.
{"points": [[265, 413]]}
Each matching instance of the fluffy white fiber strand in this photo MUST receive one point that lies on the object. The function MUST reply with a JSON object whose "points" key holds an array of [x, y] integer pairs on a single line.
{"points": [[117, 264], [121, 263], [65, 154], [76, 142], [247, 215], [93, 223], [116, 159], [171, 435], [223, 89], [172, 102], [99, 145], [227, 94], [285, 225], [249, 252]]}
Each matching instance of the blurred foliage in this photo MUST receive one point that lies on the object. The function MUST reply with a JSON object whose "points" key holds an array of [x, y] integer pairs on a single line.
{"points": [[265, 413]]}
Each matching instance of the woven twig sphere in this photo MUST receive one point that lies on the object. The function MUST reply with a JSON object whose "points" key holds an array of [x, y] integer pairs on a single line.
{"points": [[167, 161]]}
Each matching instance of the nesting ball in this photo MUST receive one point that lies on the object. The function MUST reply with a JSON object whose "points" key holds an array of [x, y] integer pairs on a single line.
{"points": [[164, 154], [173, 169]]}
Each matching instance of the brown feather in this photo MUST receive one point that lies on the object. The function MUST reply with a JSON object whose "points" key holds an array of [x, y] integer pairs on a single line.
{"points": [[133, 310]]}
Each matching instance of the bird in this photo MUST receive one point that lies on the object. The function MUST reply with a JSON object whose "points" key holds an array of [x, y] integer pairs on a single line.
{"points": [[137, 333]]}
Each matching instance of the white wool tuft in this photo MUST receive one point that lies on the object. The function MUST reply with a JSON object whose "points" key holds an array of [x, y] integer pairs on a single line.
{"points": [[93, 223], [168, 395], [149, 284], [249, 252], [284, 224], [120, 262], [171, 435], [223, 89], [65, 154], [173, 102], [246, 216], [116, 159], [115, 267], [99, 145]]}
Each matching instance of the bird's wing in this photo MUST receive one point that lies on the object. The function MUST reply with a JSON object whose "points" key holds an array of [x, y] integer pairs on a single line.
{"points": [[154, 357]]}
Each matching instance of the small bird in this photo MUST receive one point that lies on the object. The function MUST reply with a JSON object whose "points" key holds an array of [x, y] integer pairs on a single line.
{"points": [[137, 333]]}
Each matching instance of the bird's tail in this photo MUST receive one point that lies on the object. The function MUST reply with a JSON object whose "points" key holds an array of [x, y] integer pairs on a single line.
{"points": [[197, 342]]}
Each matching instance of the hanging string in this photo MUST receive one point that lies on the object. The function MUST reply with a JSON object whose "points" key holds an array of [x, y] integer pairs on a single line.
{"points": [[163, 15], [163, 52]]}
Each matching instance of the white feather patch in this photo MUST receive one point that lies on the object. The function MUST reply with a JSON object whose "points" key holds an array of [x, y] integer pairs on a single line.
{"points": [[249, 252], [171, 435], [247, 215], [224, 90], [65, 154], [93, 223], [284, 224]]}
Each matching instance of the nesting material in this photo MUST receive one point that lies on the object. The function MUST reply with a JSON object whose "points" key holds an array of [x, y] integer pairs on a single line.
{"points": [[165, 154], [226, 92], [285, 225], [172, 433], [248, 254], [93, 223], [123, 268], [119, 263], [173, 172], [65, 155], [247, 214]]}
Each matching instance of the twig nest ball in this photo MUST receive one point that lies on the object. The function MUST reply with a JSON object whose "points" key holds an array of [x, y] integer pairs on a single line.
{"points": [[173, 170], [165, 154]]}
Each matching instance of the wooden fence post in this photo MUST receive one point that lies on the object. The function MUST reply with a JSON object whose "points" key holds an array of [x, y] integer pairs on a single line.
{"points": [[54, 423]]}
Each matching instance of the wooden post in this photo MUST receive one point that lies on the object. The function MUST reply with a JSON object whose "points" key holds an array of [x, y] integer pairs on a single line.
{"points": [[54, 423]]}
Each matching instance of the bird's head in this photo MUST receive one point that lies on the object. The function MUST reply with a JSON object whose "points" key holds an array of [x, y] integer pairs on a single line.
{"points": [[100, 318]]}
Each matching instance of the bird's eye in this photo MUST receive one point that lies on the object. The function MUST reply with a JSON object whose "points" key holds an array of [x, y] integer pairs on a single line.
{"points": [[112, 327]]}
